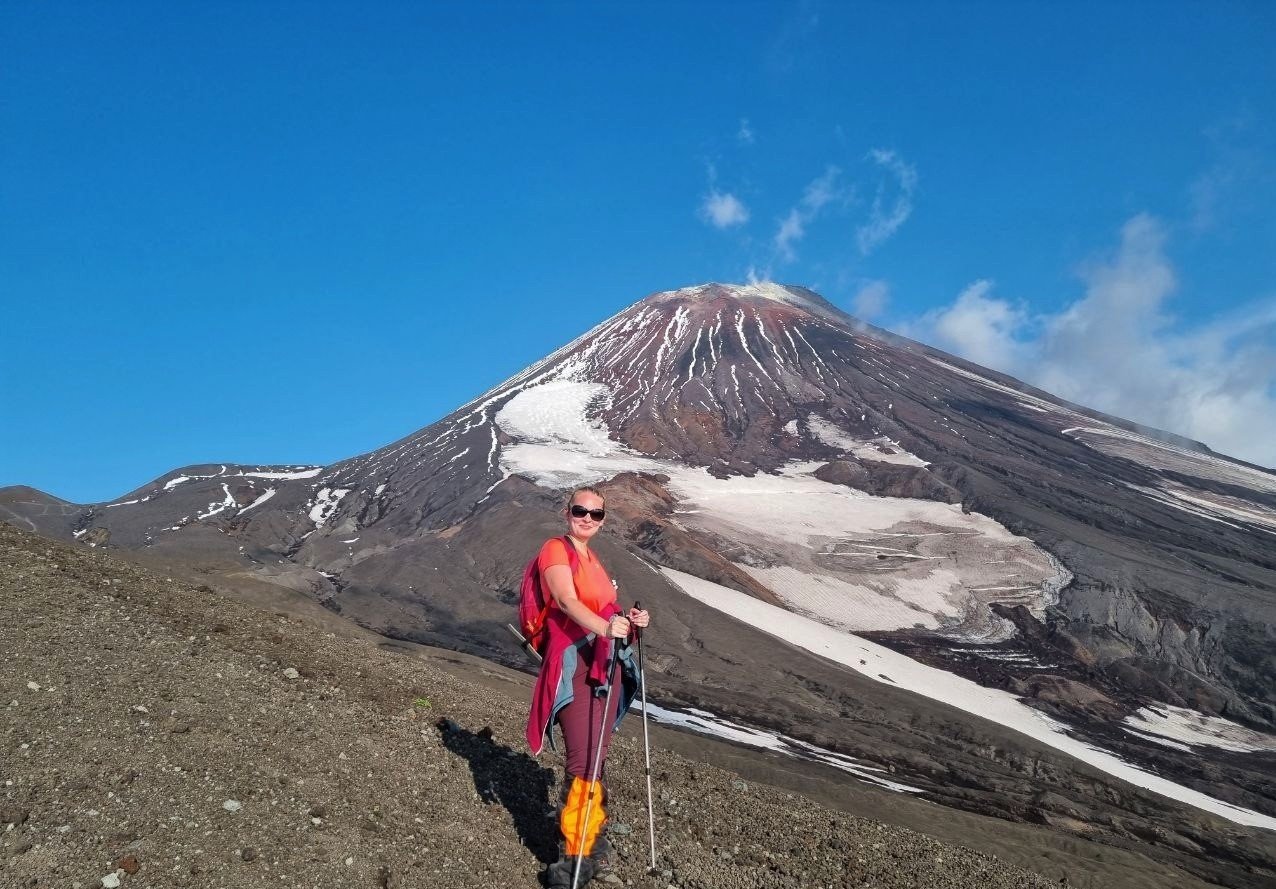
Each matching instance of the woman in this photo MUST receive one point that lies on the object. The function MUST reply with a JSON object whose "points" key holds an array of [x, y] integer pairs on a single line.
{"points": [[583, 624]]}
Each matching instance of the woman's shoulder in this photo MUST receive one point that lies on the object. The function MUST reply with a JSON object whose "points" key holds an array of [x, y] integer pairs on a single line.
{"points": [[554, 552]]}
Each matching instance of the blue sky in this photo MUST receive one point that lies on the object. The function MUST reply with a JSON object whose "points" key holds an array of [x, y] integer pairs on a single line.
{"points": [[269, 232]]}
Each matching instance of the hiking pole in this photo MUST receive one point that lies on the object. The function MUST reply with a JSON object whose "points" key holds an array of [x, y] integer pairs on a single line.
{"points": [[646, 745], [598, 756]]}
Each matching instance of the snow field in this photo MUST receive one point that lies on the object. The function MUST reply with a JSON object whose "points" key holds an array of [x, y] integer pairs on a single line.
{"points": [[854, 606], [561, 446], [557, 411], [883, 665]]}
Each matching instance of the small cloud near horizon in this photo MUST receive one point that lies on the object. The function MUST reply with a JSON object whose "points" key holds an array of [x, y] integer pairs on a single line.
{"points": [[871, 300], [1117, 349], [745, 133]]}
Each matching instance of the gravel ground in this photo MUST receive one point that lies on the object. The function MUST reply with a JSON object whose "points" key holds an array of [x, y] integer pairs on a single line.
{"points": [[158, 734]]}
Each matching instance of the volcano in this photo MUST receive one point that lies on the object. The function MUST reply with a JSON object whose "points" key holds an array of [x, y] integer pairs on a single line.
{"points": [[900, 562]]}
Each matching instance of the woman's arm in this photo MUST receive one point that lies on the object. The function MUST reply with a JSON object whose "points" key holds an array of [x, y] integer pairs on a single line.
{"points": [[561, 587]]}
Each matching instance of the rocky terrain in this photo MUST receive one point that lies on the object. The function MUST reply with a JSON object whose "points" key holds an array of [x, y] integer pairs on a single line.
{"points": [[157, 734], [757, 440]]}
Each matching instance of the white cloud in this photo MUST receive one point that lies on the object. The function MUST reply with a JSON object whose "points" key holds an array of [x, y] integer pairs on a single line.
{"points": [[888, 214], [1117, 349], [745, 133], [870, 300], [723, 210], [977, 326], [815, 197]]}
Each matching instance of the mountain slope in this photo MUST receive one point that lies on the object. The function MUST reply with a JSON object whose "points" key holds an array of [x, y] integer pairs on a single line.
{"points": [[156, 730], [1097, 579]]}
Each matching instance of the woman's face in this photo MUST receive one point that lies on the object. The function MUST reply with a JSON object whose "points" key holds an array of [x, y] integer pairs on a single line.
{"points": [[584, 527]]}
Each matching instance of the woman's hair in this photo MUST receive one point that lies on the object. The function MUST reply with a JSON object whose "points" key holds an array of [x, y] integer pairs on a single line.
{"points": [[585, 490]]}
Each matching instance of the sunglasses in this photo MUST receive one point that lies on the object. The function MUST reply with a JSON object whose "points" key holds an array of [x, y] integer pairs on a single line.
{"points": [[579, 512]]}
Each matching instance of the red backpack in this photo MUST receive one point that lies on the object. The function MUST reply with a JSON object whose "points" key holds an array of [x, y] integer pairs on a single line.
{"points": [[534, 603]]}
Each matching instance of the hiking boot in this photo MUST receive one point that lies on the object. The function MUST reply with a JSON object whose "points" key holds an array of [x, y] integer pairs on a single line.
{"points": [[559, 874], [602, 857]]}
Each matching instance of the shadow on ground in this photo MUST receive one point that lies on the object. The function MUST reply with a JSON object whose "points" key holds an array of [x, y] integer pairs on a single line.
{"points": [[511, 779]]}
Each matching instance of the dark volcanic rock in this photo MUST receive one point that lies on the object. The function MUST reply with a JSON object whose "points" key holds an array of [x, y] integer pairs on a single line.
{"points": [[1068, 695], [889, 480]]}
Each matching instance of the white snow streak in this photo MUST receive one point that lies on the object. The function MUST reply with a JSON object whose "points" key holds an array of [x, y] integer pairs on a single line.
{"points": [[218, 506], [705, 723], [301, 473], [270, 492]]}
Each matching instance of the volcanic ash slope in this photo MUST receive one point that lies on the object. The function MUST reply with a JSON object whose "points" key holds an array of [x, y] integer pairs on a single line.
{"points": [[158, 734]]}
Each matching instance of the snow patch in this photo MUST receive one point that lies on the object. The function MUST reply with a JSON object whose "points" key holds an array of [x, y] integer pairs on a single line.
{"points": [[126, 502], [558, 412], [325, 504], [1190, 727], [881, 449]]}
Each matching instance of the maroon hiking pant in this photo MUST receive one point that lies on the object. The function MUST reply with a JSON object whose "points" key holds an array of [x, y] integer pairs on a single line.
{"points": [[582, 719]]}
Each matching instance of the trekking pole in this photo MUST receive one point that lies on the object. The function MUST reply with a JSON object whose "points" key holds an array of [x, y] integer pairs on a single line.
{"points": [[598, 756], [646, 746]]}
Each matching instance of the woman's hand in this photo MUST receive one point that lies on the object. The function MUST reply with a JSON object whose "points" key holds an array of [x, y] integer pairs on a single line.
{"points": [[639, 618], [618, 627]]}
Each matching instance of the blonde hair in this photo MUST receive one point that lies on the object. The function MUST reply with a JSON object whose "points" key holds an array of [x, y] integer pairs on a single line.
{"points": [[586, 490]]}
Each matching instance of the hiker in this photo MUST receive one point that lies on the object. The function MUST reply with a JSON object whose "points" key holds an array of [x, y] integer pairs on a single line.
{"points": [[582, 624]]}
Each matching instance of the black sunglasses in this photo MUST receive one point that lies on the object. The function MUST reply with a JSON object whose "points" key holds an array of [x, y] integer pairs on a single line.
{"points": [[579, 512]]}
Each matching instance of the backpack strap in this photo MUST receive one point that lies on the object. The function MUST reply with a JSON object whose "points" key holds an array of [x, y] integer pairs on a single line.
{"points": [[573, 557]]}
